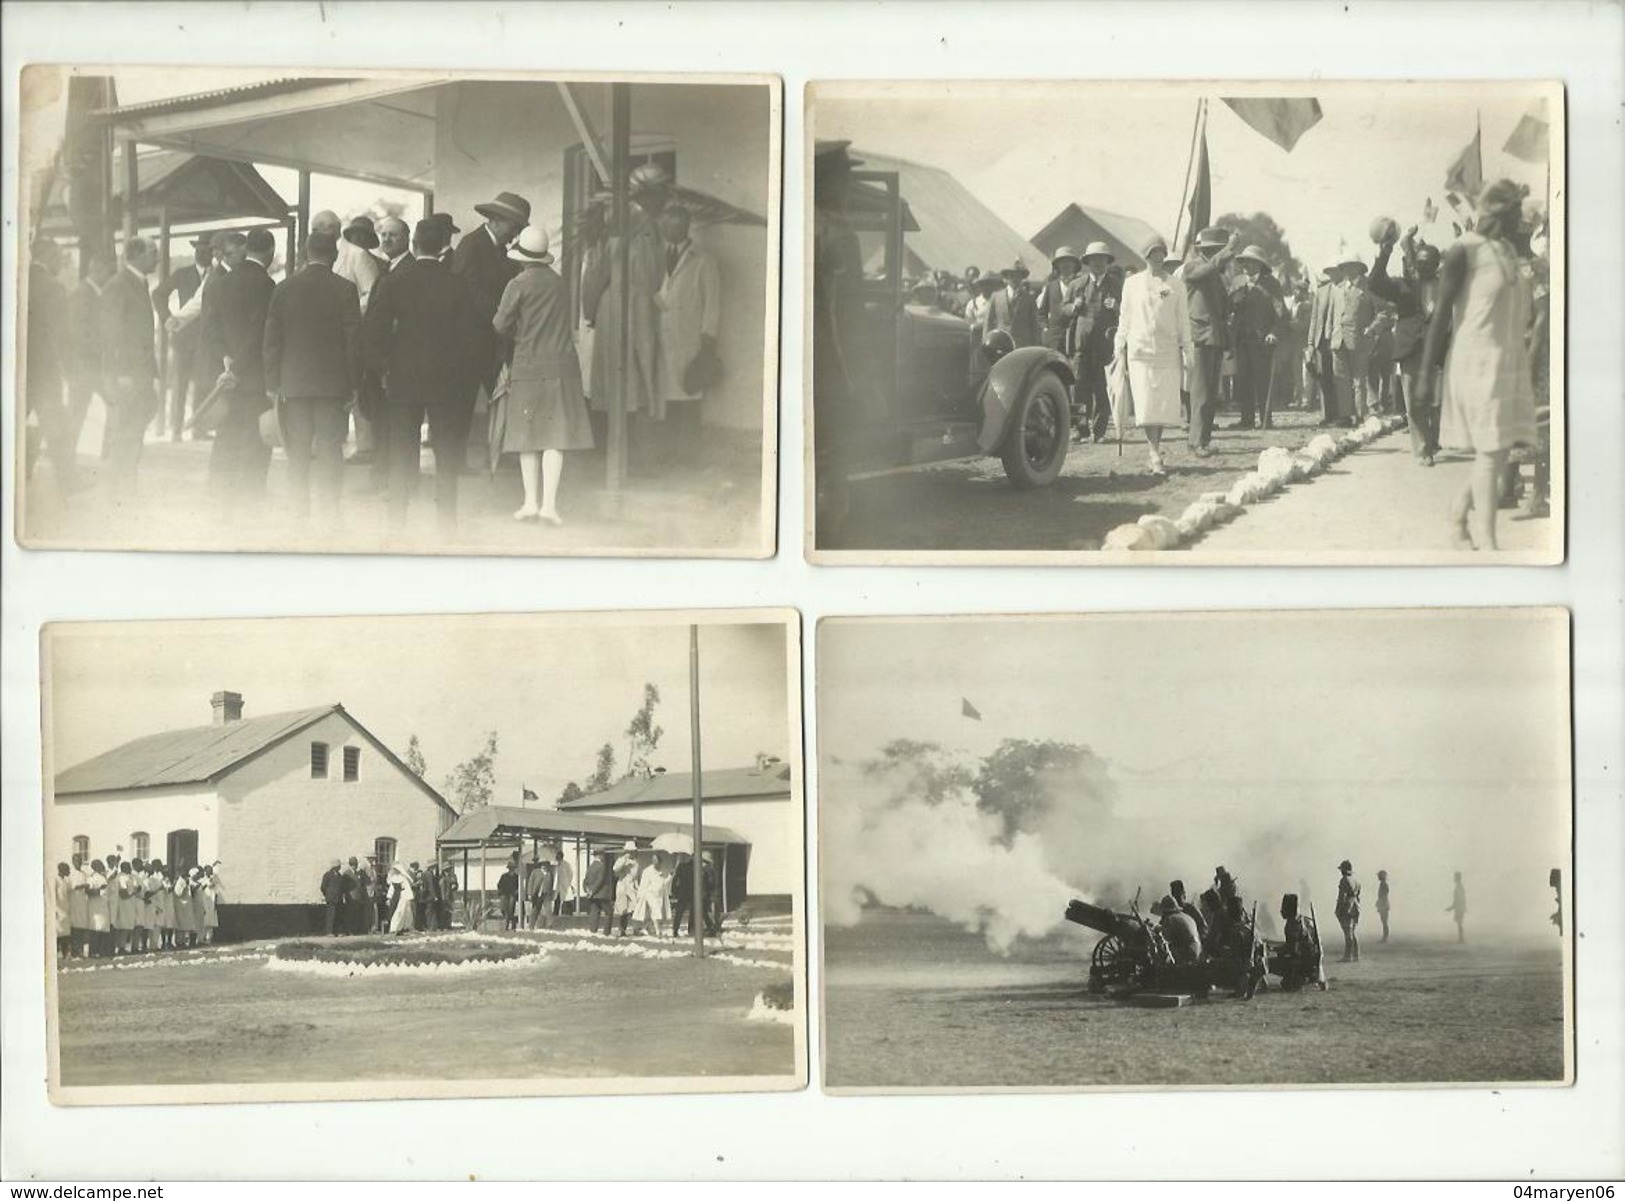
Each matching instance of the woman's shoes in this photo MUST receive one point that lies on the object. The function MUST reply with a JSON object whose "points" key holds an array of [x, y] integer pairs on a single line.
{"points": [[527, 513]]}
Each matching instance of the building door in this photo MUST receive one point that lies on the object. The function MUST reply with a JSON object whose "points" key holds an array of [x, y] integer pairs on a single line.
{"points": [[180, 851], [735, 866]]}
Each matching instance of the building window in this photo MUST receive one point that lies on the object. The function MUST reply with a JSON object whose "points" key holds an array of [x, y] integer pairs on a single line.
{"points": [[318, 761], [81, 847], [352, 764], [140, 845], [383, 853]]}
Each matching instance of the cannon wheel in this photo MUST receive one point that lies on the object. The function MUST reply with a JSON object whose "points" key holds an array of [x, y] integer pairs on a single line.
{"points": [[1111, 963]]}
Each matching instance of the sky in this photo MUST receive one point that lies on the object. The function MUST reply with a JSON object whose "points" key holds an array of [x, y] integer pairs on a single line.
{"points": [[1027, 150], [553, 690], [1419, 742]]}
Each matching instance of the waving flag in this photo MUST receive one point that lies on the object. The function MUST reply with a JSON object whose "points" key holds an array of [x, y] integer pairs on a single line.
{"points": [[1529, 140], [526, 794], [1429, 212], [1466, 174], [1282, 120], [1199, 205], [966, 709]]}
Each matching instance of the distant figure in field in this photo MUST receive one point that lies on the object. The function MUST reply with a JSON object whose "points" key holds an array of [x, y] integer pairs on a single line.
{"points": [[1348, 911], [1458, 908], [1382, 903]]}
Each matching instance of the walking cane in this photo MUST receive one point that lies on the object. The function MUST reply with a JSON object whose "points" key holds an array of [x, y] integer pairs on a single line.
{"points": [[1269, 390]]}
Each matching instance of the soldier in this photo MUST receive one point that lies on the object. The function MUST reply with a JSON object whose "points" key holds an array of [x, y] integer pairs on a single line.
{"points": [[1176, 889], [1382, 902], [1299, 955], [1348, 911], [1178, 930], [1458, 908]]}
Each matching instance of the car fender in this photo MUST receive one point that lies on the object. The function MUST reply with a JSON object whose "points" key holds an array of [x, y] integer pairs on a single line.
{"points": [[1007, 382]]}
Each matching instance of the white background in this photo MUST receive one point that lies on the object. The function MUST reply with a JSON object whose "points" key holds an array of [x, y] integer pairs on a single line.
{"points": [[1543, 1134]]}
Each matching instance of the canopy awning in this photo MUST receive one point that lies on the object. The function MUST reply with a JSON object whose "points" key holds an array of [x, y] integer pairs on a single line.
{"points": [[185, 189], [387, 135], [509, 824]]}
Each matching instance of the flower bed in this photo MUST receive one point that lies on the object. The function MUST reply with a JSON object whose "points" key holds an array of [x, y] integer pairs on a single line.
{"points": [[364, 953]]}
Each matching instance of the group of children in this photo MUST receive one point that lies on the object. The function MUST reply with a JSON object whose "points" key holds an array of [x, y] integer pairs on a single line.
{"points": [[131, 907]]}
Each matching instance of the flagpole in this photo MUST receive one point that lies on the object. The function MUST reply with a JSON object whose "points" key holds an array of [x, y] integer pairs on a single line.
{"points": [[697, 911], [1190, 166]]}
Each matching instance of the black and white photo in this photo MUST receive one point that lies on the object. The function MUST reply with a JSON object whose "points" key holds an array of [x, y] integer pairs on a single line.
{"points": [[1056, 318], [432, 312]]}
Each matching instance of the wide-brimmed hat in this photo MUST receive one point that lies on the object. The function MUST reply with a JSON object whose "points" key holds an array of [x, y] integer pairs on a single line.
{"points": [[988, 279], [1345, 866], [1350, 259], [1018, 269], [445, 220], [1152, 243], [630, 845], [506, 204], [531, 246], [1098, 250], [361, 232], [1255, 254], [202, 240], [647, 177], [1213, 235], [1066, 252]]}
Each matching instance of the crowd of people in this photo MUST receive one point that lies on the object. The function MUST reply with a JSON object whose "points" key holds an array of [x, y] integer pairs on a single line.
{"points": [[1454, 342], [361, 896], [397, 327], [115, 906], [638, 890]]}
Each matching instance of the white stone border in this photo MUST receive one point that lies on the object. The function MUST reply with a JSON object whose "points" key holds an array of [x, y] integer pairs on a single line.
{"points": [[1277, 467], [353, 969], [132, 965]]}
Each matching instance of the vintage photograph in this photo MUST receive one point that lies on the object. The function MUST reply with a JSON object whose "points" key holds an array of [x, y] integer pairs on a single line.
{"points": [[1291, 323], [426, 312], [540, 854], [1195, 850]]}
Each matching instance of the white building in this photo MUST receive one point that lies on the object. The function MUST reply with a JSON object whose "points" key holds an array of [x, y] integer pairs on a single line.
{"points": [[275, 799], [755, 803]]}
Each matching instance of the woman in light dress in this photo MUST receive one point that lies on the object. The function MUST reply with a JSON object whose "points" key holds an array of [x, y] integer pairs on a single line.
{"points": [[99, 910], [125, 896], [161, 906], [400, 920], [62, 905], [209, 896], [654, 895], [181, 898], [1153, 346], [79, 906], [544, 412], [1486, 390]]}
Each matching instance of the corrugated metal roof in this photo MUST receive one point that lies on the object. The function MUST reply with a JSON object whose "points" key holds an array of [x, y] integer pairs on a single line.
{"points": [[1079, 224], [736, 783], [956, 229], [189, 756], [505, 821], [247, 91]]}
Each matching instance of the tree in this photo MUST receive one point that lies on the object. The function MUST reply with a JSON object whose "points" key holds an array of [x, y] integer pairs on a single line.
{"points": [[1020, 781], [643, 736], [1261, 230], [472, 783], [414, 757], [571, 792], [603, 772]]}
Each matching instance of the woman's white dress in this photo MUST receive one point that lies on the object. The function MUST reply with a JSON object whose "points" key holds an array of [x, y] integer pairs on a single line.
{"points": [[626, 885], [400, 921], [654, 888], [1154, 340], [1486, 394]]}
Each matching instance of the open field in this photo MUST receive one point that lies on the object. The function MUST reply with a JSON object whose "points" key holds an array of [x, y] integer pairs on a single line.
{"points": [[574, 1014], [911, 1001]]}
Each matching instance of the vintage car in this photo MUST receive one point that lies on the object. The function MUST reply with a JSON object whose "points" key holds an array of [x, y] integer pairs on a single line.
{"points": [[916, 386]]}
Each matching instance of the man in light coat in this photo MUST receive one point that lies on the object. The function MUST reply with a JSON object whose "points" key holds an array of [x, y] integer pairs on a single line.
{"points": [[690, 304], [1353, 321]]}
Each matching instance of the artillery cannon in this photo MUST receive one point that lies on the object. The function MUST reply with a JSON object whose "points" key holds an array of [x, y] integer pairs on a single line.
{"points": [[1133, 956]]}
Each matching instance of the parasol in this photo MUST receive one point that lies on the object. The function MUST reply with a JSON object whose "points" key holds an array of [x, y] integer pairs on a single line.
{"points": [[674, 842]]}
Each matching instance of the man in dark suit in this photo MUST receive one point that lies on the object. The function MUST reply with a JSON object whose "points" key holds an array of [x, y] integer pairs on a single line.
{"points": [[333, 899], [1317, 351], [1414, 297], [85, 342], [47, 357], [313, 363], [1094, 335], [1255, 324], [240, 459], [1209, 304], [129, 325], [395, 253], [421, 330], [183, 283], [481, 262]]}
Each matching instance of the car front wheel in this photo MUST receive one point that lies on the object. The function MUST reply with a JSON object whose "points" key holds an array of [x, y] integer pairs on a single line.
{"points": [[1036, 448]]}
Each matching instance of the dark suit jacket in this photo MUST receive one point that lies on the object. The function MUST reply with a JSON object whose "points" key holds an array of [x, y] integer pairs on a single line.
{"points": [[313, 335], [421, 331], [1209, 303], [1095, 327], [484, 267], [47, 334], [1408, 296], [245, 298], [129, 324]]}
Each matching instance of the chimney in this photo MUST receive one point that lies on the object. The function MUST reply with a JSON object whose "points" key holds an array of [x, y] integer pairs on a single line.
{"points": [[228, 707]]}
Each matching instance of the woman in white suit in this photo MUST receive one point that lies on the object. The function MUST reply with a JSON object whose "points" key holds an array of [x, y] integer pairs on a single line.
{"points": [[1153, 344]]}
